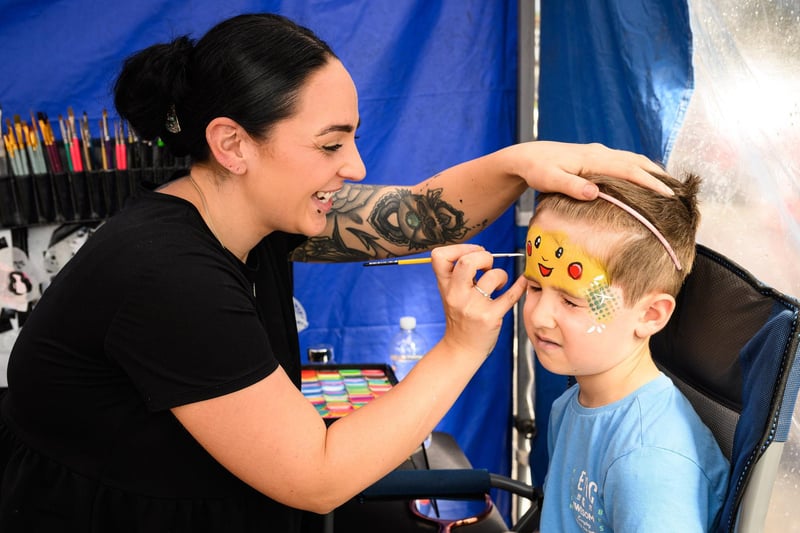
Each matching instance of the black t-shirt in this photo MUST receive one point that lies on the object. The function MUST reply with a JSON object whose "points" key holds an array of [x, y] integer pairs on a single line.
{"points": [[151, 313]]}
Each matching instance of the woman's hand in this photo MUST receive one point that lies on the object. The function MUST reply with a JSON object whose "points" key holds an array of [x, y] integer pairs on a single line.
{"points": [[473, 313], [557, 167]]}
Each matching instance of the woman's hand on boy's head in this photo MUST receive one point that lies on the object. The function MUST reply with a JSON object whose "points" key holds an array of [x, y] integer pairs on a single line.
{"points": [[465, 276], [550, 166]]}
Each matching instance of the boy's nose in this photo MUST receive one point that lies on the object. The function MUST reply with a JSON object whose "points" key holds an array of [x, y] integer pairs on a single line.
{"points": [[540, 310]]}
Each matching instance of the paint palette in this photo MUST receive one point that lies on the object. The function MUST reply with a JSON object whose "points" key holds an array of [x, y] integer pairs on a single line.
{"points": [[337, 390]]}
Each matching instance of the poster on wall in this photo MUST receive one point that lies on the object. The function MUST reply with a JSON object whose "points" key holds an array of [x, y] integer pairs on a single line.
{"points": [[29, 259]]}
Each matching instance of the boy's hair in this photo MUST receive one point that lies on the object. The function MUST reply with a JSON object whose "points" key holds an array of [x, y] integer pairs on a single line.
{"points": [[638, 261]]}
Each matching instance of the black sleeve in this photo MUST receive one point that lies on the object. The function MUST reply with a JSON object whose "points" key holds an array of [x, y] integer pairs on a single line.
{"points": [[188, 329]]}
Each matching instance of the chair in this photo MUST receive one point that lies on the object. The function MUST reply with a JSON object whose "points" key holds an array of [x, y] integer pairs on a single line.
{"points": [[435, 480], [731, 346]]}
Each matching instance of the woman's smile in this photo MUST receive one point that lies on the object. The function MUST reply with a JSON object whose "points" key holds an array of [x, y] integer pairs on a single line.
{"points": [[324, 200]]}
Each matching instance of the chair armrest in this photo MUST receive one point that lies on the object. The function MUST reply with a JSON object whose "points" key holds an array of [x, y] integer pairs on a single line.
{"points": [[444, 483]]}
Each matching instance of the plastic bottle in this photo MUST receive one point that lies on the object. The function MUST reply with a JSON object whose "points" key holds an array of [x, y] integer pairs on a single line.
{"points": [[408, 347]]}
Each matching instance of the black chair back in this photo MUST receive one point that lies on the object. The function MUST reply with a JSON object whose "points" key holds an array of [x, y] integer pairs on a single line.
{"points": [[732, 348]]}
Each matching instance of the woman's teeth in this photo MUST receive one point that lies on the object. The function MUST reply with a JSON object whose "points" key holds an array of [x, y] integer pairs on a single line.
{"points": [[325, 196]]}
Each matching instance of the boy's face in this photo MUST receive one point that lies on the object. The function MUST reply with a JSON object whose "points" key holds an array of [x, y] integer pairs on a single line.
{"points": [[574, 315]]}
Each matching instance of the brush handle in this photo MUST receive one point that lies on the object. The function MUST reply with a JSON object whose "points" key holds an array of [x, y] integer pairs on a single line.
{"points": [[422, 260]]}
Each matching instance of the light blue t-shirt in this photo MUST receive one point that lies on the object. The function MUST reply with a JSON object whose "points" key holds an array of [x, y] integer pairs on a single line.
{"points": [[645, 463]]}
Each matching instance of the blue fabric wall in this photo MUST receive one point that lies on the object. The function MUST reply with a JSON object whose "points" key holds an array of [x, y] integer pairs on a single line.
{"points": [[437, 83], [437, 86], [617, 72]]}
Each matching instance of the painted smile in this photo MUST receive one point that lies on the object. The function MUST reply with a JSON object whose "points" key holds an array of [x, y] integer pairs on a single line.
{"points": [[544, 271]]}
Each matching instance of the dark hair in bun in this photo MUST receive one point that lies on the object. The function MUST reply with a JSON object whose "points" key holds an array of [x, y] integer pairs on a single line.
{"points": [[249, 68]]}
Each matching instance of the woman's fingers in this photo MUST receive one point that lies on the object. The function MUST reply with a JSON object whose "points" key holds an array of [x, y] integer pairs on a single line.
{"points": [[472, 296], [560, 167], [444, 258], [512, 295], [461, 267], [623, 164]]}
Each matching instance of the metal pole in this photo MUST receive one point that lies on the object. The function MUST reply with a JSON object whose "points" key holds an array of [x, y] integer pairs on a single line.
{"points": [[523, 378]]}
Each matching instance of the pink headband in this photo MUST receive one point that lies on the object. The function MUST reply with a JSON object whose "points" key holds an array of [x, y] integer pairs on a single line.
{"points": [[638, 216]]}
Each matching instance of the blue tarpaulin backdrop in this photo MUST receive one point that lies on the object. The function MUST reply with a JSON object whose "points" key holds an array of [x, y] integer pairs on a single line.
{"points": [[437, 86], [437, 83]]}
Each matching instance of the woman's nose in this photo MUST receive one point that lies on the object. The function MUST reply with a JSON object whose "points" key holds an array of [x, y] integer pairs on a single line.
{"points": [[354, 168]]}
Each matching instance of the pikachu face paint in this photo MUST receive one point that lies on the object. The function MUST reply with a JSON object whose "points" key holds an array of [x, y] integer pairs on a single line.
{"points": [[551, 260]]}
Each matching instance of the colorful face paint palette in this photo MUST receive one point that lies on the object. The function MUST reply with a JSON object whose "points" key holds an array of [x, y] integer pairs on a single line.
{"points": [[336, 390]]}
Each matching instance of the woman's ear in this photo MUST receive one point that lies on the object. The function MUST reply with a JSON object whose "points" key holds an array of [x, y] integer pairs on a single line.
{"points": [[656, 309], [225, 139]]}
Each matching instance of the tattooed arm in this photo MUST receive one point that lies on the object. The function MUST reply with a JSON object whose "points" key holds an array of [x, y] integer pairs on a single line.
{"points": [[369, 221], [377, 221]]}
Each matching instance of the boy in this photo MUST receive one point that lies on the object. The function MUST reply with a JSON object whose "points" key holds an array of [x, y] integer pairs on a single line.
{"points": [[627, 451]]}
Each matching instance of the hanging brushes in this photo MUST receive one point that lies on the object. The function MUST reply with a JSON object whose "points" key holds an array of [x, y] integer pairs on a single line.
{"points": [[32, 147], [71, 171]]}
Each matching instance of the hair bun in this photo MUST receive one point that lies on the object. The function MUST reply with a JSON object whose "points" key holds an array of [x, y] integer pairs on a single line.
{"points": [[151, 81]]}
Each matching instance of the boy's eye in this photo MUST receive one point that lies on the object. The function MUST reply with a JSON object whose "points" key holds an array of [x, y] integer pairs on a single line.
{"points": [[570, 303]]}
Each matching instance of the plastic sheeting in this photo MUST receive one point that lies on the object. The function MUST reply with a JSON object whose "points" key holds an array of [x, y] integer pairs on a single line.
{"points": [[616, 72], [742, 136], [437, 86]]}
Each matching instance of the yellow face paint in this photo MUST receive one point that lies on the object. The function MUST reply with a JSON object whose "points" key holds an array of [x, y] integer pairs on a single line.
{"points": [[551, 260]]}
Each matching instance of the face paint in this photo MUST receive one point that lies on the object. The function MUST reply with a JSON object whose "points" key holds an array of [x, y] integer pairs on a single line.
{"points": [[551, 260]]}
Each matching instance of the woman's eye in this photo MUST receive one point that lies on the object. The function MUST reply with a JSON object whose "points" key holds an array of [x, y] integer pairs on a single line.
{"points": [[331, 147]]}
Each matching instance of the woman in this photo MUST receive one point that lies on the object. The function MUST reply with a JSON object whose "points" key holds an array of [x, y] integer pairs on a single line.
{"points": [[155, 386]]}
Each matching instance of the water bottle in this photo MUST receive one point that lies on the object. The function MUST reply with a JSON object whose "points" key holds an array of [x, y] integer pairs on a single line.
{"points": [[408, 347]]}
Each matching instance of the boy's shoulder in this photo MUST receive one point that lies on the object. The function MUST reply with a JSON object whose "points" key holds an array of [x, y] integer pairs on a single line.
{"points": [[668, 418]]}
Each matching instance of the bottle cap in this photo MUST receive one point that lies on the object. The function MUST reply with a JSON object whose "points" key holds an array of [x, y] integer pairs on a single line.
{"points": [[408, 322], [320, 353]]}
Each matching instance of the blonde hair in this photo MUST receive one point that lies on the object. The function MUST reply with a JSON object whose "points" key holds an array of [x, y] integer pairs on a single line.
{"points": [[638, 261]]}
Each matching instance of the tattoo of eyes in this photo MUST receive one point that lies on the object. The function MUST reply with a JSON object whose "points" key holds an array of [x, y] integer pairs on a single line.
{"points": [[415, 221], [418, 221]]}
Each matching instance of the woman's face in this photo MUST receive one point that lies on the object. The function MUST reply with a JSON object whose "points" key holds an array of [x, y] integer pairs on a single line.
{"points": [[308, 156]]}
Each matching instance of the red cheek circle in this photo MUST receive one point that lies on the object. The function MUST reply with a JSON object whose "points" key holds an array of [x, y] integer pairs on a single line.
{"points": [[529, 248], [575, 270]]}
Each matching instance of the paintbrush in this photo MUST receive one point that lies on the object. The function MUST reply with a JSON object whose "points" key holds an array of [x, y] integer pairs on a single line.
{"points": [[423, 260], [74, 142], [86, 139]]}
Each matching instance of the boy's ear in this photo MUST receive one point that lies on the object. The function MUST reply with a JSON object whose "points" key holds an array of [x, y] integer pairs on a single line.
{"points": [[225, 140], [656, 309]]}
